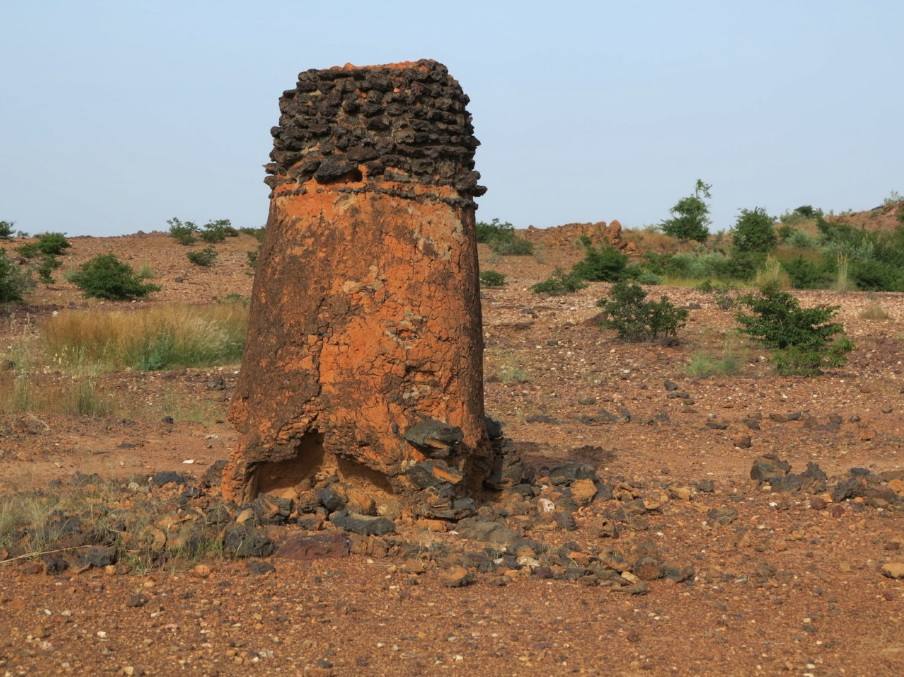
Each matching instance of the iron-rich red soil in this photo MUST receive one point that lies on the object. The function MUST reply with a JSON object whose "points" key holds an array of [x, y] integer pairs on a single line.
{"points": [[792, 584]]}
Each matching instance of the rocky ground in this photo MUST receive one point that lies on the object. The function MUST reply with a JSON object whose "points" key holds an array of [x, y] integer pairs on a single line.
{"points": [[661, 524]]}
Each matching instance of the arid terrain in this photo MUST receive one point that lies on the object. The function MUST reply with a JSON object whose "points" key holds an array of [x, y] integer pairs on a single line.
{"points": [[750, 577]]}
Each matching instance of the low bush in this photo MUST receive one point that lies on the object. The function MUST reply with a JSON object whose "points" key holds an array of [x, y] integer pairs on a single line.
{"points": [[636, 319], [7, 230], [647, 277], [491, 278], [754, 231], [602, 264], [203, 257], [183, 232], [806, 274], [772, 275], [161, 337], [559, 283], [252, 257], [46, 244], [45, 268], [874, 311], [502, 239], [218, 230], [14, 281], [690, 215], [704, 365], [106, 277], [256, 233], [803, 340]]}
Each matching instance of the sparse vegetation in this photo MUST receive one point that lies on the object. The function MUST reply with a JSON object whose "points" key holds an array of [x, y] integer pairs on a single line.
{"points": [[106, 277], [704, 364], [874, 311], [203, 257], [491, 279], [256, 233], [604, 263], [559, 284], [46, 244], [45, 268], [183, 232], [502, 239], [14, 282], [636, 319], [803, 340], [218, 230], [754, 231], [690, 215]]}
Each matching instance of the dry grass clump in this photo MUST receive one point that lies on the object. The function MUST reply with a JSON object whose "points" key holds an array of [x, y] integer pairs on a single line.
{"points": [[21, 393], [159, 337], [138, 528], [874, 311]]}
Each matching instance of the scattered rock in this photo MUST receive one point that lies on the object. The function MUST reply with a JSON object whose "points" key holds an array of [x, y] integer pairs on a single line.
{"points": [[893, 570], [304, 548], [365, 525], [457, 577], [259, 568]]}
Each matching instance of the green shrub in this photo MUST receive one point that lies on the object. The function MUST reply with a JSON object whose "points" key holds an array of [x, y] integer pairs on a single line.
{"points": [[106, 277], [636, 319], [754, 231], [183, 232], [772, 275], [690, 215], [14, 282], [256, 233], [874, 275], [218, 230], [203, 257], [48, 264], [806, 274], [703, 365], [491, 278], [605, 264], [7, 230], [798, 238], [802, 340], [252, 257], [559, 283], [46, 244], [647, 277], [501, 238]]}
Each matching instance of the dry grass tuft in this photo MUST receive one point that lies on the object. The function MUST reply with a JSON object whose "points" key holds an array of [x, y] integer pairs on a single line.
{"points": [[159, 337], [874, 311]]}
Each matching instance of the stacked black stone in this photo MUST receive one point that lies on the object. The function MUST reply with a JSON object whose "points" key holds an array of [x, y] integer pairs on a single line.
{"points": [[405, 123]]}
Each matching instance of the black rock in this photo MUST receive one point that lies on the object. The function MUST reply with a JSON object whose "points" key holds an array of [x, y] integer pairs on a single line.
{"points": [[214, 474], [569, 472], [331, 499], [433, 437], [54, 564], [565, 520], [98, 556], [336, 169], [769, 467], [476, 529], [494, 428], [240, 541], [365, 525], [259, 568], [164, 477]]}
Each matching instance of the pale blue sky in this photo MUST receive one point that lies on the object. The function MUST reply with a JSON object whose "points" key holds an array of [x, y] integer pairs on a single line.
{"points": [[117, 114]]}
